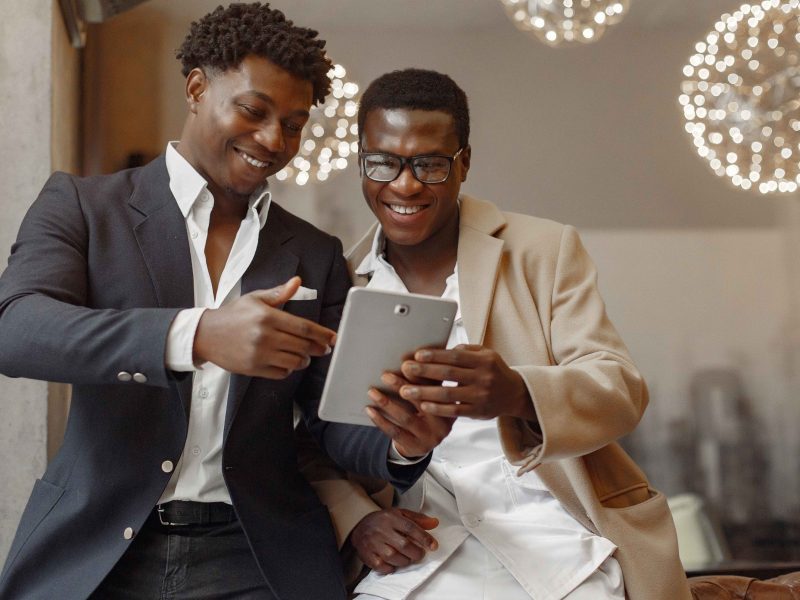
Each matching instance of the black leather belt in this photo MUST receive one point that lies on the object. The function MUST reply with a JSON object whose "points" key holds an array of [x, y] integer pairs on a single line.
{"points": [[184, 512]]}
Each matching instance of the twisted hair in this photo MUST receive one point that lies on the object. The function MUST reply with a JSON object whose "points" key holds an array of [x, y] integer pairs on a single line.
{"points": [[223, 38], [417, 89]]}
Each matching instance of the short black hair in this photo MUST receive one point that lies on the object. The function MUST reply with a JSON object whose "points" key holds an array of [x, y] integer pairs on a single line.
{"points": [[417, 89], [223, 38]]}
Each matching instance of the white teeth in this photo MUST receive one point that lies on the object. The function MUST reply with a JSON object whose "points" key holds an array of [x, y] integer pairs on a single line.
{"points": [[252, 161], [405, 210]]}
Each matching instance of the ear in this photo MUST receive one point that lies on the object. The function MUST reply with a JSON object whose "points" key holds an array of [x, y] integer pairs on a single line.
{"points": [[464, 157], [196, 85], [358, 156]]}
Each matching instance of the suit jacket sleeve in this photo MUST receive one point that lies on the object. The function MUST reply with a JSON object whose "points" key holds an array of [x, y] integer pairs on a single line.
{"points": [[592, 393], [48, 330], [348, 497]]}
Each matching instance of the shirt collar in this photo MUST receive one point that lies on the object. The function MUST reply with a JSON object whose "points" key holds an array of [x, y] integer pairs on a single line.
{"points": [[186, 184], [374, 258]]}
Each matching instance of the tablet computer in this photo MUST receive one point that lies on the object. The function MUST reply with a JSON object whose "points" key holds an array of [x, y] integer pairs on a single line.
{"points": [[378, 331]]}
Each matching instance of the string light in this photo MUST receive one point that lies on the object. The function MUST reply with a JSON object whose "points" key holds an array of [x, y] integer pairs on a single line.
{"points": [[330, 138], [741, 96], [565, 22]]}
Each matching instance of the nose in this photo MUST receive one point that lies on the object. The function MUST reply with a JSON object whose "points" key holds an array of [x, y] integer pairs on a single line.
{"points": [[270, 135], [406, 184]]}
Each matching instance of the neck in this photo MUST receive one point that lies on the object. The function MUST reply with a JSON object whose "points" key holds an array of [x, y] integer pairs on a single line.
{"points": [[425, 267], [227, 204]]}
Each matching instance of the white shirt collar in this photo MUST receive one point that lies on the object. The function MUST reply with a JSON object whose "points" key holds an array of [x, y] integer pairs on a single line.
{"points": [[374, 258], [374, 265], [187, 185]]}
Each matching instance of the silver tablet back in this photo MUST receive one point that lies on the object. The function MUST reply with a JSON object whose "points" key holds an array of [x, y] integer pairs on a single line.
{"points": [[378, 331]]}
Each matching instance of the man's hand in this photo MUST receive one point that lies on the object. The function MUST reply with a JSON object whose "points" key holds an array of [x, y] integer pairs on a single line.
{"points": [[487, 386], [250, 336], [391, 538], [414, 433]]}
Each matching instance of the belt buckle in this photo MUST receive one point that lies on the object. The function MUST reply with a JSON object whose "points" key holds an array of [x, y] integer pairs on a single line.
{"points": [[160, 510]]}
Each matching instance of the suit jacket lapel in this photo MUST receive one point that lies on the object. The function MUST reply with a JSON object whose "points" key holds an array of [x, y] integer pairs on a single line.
{"points": [[479, 254], [272, 265], [160, 231]]}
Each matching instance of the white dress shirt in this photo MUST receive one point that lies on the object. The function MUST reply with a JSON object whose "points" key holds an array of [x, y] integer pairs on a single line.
{"points": [[198, 474], [490, 519]]}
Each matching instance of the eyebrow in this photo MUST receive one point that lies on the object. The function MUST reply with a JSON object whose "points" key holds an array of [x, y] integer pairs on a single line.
{"points": [[268, 99], [421, 154]]}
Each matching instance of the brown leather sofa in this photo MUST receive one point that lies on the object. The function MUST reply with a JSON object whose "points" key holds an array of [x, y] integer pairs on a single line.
{"points": [[733, 587]]}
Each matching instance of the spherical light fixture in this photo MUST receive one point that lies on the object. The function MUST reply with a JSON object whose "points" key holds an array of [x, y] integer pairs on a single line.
{"points": [[741, 96], [565, 22], [330, 138]]}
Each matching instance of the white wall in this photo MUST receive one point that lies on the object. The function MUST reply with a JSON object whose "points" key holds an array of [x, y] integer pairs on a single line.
{"points": [[688, 300], [590, 135]]}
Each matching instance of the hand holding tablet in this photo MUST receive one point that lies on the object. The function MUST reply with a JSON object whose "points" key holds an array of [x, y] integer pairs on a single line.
{"points": [[377, 332]]}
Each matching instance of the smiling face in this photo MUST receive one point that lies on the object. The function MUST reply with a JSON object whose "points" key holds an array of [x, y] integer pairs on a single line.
{"points": [[244, 124], [412, 213]]}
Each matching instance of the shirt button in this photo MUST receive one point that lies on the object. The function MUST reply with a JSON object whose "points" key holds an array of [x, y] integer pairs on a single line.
{"points": [[194, 235], [196, 451], [471, 520], [124, 376], [167, 466], [140, 378], [128, 533], [203, 393]]}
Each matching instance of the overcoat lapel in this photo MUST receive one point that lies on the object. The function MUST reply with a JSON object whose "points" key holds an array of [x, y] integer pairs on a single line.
{"points": [[160, 231], [272, 265], [479, 255], [357, 253]]}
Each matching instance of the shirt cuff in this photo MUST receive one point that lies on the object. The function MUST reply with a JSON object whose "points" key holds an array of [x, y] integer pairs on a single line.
{"points": [[398, 459], [180, 340]]}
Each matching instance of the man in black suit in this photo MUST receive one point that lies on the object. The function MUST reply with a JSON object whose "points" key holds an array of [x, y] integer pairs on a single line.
{"points": [[170, 297]]}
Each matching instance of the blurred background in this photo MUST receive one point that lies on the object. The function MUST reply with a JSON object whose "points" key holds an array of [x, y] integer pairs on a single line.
{"points": [[701, 277]]}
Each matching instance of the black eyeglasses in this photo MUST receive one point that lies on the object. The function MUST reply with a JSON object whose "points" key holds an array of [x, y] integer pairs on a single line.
{"points": [[427, 168]]}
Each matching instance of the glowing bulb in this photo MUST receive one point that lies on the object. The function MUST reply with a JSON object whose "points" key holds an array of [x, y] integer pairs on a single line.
{"points": [[739, 96]]}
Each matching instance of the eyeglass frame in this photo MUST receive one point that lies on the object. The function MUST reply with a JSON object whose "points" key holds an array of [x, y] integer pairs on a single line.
{"points": [[407, 160]]}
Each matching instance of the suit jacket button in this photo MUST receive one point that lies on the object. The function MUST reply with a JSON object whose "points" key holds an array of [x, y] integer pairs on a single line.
{"points": [[128, 533], [124, 376], [140, 378], [167, 466]]}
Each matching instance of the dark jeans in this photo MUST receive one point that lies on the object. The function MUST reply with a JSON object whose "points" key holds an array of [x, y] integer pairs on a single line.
{"points": [[190, 562]]}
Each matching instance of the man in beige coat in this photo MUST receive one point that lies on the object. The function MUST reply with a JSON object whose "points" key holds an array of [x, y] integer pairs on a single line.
{"points": [[538, 367]]}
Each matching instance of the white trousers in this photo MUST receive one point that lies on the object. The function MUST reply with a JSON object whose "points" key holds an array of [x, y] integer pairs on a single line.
{"points": [[473, 573]]}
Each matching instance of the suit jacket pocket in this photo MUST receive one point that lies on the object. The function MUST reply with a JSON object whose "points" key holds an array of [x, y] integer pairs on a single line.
{"points": [[43, 498]]}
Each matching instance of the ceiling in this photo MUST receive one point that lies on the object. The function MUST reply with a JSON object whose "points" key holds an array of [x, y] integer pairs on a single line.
{"points": [[444, 14]]}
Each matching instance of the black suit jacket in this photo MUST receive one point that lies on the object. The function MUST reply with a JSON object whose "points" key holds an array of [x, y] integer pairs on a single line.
{"points": [[100, 268]]}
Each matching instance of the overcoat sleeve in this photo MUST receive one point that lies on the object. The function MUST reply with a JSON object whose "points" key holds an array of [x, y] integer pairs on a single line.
{"points": [[592, 393]]}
